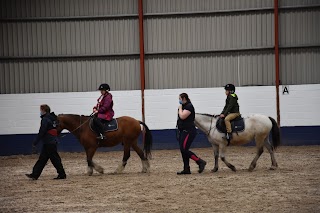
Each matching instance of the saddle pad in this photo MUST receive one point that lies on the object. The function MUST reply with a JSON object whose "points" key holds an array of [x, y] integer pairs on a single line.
{"points": [[237, 125], [108, 126], [111, 125]]}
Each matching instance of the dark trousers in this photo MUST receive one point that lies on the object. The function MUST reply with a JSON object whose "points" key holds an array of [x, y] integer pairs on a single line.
{"points": [[49, 151], [99, 124], [185, 140]]}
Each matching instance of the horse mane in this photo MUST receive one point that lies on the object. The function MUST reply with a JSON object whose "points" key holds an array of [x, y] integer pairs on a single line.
{"points": [[209, 115], [73, 115]]}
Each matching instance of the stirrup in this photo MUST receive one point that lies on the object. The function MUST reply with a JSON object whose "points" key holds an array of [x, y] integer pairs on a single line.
{"points": [[228, 137], [101, 137]]}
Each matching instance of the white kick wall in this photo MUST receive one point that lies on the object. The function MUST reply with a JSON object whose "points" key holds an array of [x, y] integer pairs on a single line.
{"points": [[19, 113]]}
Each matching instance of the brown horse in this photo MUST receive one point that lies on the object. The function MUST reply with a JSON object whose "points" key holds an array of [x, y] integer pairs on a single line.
{"points": [[128, 132]]}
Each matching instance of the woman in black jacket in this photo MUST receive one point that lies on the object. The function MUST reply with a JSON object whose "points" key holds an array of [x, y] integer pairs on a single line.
{"points": [[49, 135], [187, 133]]}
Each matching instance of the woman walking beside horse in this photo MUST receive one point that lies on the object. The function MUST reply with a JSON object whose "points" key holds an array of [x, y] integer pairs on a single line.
{"points": [[187, 132]]}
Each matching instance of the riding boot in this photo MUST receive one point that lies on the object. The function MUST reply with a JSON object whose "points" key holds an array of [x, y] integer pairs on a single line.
{"points": [[228, 137], [185, 171], [100, 128], [202, 164]]}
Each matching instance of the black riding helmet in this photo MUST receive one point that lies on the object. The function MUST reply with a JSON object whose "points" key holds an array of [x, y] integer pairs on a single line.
{"points": [[230, 87], [104, 87]]}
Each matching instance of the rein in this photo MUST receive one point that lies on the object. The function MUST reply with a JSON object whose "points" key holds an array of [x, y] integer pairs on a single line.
{"points": [[208, 133], [79, 125]]}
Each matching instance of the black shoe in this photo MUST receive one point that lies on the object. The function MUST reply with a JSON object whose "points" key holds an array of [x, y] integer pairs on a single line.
{"points": [[184, 172], [31, 176], [101, 137], [202, 164], [60, 177]]}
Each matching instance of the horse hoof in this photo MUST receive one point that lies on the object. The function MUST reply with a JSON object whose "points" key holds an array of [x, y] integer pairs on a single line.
{"points": [[273, 167], [214, 170], [250, 169], [233, 168], [89, 171]]}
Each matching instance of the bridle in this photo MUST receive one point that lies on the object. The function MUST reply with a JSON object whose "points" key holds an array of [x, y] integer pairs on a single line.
{"points": [[208, 133], [80, 125]]}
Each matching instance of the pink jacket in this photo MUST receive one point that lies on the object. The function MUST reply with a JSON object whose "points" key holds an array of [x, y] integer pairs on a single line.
{"points": [[104, 107]]}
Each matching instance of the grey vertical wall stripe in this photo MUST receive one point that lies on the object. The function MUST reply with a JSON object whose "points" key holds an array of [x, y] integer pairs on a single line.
{"points": [[208, 33], [65, 8], [69, 38], [167, 6], [299, 27], [210, 70], [66, 76], [300, 66], [298, 2]]}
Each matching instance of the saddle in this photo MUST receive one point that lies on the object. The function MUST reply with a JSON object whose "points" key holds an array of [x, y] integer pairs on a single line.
{"points": [[237, 125], [109, 126]]}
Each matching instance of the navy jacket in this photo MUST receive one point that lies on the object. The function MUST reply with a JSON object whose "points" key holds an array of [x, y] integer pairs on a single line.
{"points": [[47, 131]]}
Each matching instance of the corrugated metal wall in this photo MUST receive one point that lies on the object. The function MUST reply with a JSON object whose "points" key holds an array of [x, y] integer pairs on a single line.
{"points": [[209, 43], [74, 45], [63, 38], [68, 75], [300, 28], [68, 46], [208, 70], [168, 6], [66, 8], [216, 32], [300, 66]]}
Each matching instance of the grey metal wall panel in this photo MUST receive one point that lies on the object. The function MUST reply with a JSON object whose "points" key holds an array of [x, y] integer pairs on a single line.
{"points": [[210, 70], [69, 38], [298, 2], [169, 6], [209, 33], [299, 28], [300, 66], [68, 76], [65, 8]]}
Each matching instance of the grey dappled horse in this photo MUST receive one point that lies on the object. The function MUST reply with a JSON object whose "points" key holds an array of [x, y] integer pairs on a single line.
{"points": [[257, 128]]}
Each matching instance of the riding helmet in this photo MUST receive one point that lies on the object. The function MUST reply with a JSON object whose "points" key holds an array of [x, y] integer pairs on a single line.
{"points": [[104, 87], [230, 87]]}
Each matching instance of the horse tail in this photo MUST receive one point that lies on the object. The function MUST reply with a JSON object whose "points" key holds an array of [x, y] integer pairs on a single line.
{"points": [[148, 140], [275, 133]]}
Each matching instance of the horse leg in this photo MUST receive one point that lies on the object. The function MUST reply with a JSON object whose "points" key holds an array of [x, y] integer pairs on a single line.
{"points": [[270, 149], [221, 153], [92, 165], [144, 160], [216, 157], [126, 156], [259, 144]]}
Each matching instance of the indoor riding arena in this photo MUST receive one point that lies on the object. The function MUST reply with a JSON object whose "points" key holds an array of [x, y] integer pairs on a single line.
{"points": [[59, 52]]}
